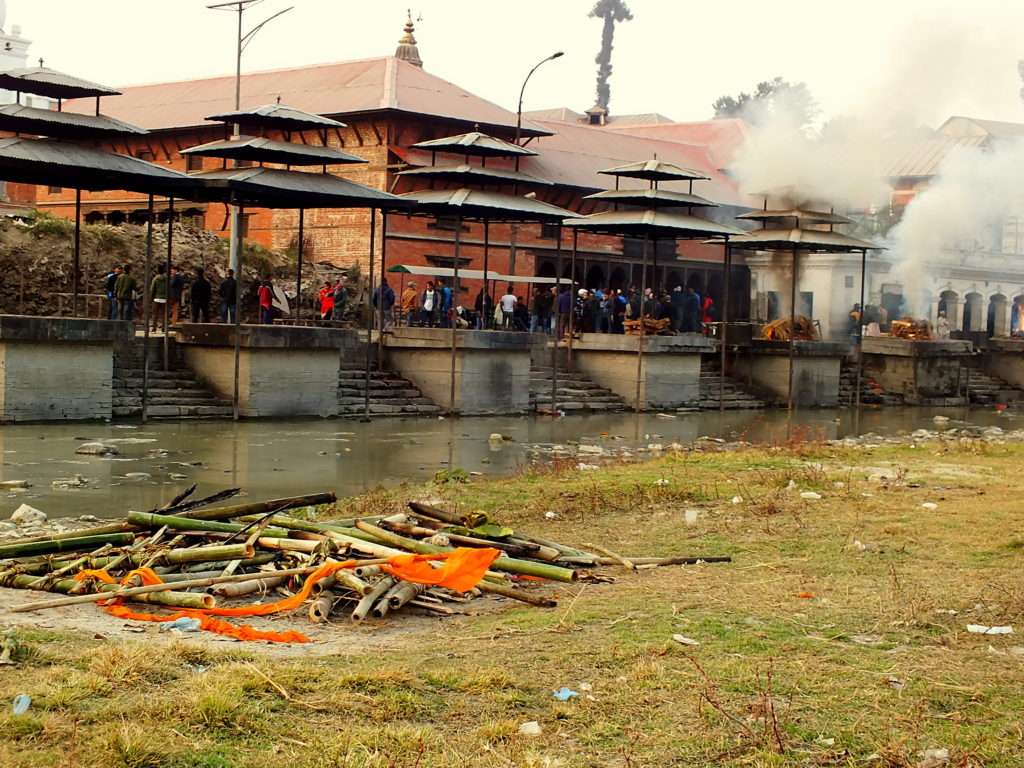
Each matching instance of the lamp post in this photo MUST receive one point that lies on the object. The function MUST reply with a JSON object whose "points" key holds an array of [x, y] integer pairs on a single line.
{"points": [[522, 91], [243, 40], [513, 228]]}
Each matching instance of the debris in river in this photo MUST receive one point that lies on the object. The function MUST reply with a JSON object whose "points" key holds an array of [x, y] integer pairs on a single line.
{"points": [[190, 555], [97, 449], [70, 482], [26, 515]]}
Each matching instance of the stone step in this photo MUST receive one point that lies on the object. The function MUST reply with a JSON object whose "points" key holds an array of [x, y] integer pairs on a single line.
{"points": [[177, 412]]}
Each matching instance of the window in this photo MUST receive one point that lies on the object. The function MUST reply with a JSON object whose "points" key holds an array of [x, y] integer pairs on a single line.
{"points": [[447, 223], [848, 281], [55, 190], [549, 231], [193, 163]]}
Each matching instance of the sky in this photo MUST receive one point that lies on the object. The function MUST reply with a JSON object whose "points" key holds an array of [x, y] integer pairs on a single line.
{"points": [[932, 58]]}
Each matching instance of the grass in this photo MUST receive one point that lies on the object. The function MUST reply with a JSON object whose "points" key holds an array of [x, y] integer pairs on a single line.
{"points": [[837, 637]]}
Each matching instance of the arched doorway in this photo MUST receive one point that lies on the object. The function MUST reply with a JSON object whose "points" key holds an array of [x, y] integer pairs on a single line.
{"points": [[998, 319], [949, 304], [973, 313]]}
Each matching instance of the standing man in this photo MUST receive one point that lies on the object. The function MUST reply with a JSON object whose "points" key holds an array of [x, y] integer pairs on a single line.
{"points": [[108, 287], [200, 297], [410, 302], [564, 305], [228, 293], [430, 305], [340, 301], [177, 289], [446, 303], [508, 308], [158, 293], [126, 291], [384, 297], [266, 297], [542, 303]]}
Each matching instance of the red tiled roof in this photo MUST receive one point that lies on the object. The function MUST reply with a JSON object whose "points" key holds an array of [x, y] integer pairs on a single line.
{"points": [[721, 137], [345, 88]]}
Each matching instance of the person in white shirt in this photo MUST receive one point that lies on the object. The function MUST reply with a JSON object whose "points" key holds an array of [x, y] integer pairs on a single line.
{"points": [[430, 305], [508, 308]]}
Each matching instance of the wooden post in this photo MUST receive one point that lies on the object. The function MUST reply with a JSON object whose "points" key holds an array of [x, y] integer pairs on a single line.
{"points": [[860, 325], [298, 271], [727, 289], [239, 286], [643, 328], [369, 315], [454, 314], [383, 272], [792, 325], [554, 348], [76, 268], [147, 309], [167, 283]]}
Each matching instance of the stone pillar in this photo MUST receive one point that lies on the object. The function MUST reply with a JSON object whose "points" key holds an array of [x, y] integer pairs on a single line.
{"points": [[955, 313], [977, 315], [1004, 312]]}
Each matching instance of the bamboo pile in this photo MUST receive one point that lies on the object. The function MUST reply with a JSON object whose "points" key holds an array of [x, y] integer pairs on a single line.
{"points": [[651, 327], [199, 554]]}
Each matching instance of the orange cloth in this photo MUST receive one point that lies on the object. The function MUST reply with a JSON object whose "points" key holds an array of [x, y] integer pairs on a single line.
{"points": [[462, 570]]}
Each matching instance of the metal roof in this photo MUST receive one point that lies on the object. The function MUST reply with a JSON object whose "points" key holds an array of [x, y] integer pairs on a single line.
{"points": [[262, 150], [54, 163], [476, 144], [661, 198], [365, 86], [276, 188], [802, 239], [655, 170], [656, 224], [17, 118], [43, 81], [480, 205], [476, 173], [278, 116], [805, 216], [925, 158]]}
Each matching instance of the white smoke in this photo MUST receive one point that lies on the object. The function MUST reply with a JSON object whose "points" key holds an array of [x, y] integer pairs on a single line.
{"points": [[964, 211]]}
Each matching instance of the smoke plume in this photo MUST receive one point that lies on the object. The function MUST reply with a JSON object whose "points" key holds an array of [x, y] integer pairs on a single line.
{"points": [[963, 212], [613, 12]]}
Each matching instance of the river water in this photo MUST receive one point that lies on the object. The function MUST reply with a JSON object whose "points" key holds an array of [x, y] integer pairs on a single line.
{"points": [[270, 459]]}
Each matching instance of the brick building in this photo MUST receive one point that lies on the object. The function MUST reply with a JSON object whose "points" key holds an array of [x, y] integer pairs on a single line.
{"points": [[388, 104]]}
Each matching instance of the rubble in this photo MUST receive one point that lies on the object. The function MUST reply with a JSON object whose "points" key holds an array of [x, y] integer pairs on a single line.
{"points": [[26, 515]]}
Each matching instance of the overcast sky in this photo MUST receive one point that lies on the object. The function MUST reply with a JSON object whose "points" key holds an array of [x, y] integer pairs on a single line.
{"points": [[935, 57]]}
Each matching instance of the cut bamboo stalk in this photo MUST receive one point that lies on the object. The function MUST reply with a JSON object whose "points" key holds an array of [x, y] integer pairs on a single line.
{"points": [[440, 609], [370, 598], [169, 598], [209, 554], [177, 523], [261, 507], [660, 561], [457, 538], [506, 564], [242, 588], [405, 593], [99, 530], [320, 609], [623, 561], [153, 588], [491, 588], [367, 571], [75, 544]]}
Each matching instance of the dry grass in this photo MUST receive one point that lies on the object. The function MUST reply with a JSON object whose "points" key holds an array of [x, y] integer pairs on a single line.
{"points": [[836, 638]]}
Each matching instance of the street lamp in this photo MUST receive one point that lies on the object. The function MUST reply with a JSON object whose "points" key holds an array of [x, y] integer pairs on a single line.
{"points": [[244, 38], [519, 112]]}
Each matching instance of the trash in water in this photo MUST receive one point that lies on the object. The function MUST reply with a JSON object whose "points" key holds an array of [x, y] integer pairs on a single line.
{"points": [[564, 694], [981, 629], [21, 704]]}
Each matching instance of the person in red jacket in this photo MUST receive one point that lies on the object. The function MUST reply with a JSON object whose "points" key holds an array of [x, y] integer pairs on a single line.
{"points": [[708, 313], [326, 301], [266, 294]]}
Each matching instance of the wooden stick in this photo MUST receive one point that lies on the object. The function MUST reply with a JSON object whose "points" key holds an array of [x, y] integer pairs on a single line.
{"points": [[179, 585], [623, 561]]}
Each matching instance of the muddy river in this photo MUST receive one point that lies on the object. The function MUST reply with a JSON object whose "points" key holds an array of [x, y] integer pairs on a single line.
{"points": [[281, 458]]}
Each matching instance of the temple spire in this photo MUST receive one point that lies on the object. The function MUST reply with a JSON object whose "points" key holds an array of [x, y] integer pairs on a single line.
{"points": [[407, 50]]}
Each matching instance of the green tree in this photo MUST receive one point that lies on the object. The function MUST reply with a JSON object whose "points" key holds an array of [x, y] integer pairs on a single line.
{"points": [[768, 98]]}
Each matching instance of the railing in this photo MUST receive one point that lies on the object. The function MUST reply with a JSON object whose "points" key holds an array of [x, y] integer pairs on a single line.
{"points": [[94, 304]]}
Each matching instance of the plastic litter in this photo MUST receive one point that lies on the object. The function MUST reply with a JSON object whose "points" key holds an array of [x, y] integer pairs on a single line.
{"points": [[981, 629], [684, 640], [531, 728], [564, 694], [21, 704], [810, 496], [184, 624]]}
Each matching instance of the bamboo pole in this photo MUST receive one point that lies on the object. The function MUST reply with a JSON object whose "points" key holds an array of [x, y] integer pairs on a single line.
{"points": [[150, 520], [242, 588], [659, 561], [169, 598], [209, 554], [260, 507], [490, 588], [370, 598], [47, 547], [623, 561], [154, 588], [507, 564]]}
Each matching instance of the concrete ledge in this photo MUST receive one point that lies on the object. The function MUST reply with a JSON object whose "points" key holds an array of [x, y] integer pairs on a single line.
{"points": [[686, 343], [441, 338], [267, 336], [800, 349], [891, 346], [1006, 345], [66, 329]]}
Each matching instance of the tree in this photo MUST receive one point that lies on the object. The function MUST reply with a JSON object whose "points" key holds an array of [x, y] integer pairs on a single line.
{"points": [[770, 97]]}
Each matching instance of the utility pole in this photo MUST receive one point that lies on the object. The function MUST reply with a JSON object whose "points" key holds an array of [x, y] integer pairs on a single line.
{"points": [[244, 38]]}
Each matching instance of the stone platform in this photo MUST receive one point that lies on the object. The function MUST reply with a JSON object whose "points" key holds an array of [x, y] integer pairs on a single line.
{"points": [[1004, 358], [283, 370], [492, 368], [921, 372], [669, 374], [816, 371], [57, 369]]}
